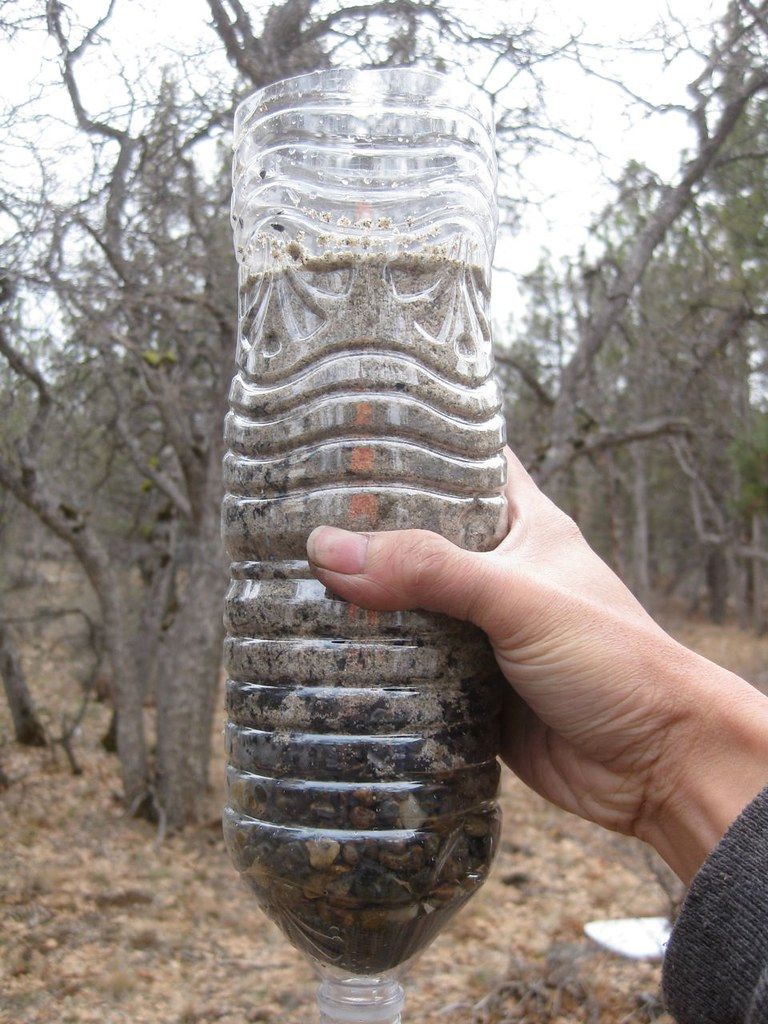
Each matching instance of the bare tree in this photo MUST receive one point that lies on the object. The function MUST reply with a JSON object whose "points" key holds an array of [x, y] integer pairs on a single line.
{"points": [[732, 77], [120, 451]]}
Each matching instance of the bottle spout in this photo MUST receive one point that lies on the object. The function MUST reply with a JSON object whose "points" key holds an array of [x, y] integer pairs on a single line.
{"points": [[357, 1000]]}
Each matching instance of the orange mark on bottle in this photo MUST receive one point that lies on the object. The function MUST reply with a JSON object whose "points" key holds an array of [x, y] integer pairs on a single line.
{"points": [[364, 506], [361, 460], [363, 414]]}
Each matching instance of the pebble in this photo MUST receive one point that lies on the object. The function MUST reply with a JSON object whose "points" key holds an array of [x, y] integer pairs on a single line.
{"points": [[322, 852]]}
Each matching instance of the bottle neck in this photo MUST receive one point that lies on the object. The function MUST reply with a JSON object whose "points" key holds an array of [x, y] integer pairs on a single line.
{"points": [[356, 1000]]}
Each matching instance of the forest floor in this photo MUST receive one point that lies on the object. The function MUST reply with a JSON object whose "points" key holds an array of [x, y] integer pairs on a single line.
{"points": [[102, 923]]}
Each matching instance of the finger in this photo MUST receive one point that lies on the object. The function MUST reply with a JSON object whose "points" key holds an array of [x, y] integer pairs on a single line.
{"points": [[521, 489], [403, 569], [528, 505]]}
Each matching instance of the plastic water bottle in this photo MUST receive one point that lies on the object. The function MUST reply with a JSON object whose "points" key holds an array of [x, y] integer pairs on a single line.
{"points": [[361, 745]]}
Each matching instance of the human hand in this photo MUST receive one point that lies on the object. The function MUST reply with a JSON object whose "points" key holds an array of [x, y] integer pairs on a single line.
{"points": [[607, 716]]}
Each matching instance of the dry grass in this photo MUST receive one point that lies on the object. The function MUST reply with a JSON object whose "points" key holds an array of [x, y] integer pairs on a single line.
{"points": [[100, 924]]}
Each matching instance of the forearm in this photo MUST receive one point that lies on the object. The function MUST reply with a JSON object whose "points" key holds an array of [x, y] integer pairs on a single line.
{"points": [[715, 763]]}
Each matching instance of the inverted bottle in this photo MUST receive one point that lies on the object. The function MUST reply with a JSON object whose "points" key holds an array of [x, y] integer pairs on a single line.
{"points": [[361, 745]]}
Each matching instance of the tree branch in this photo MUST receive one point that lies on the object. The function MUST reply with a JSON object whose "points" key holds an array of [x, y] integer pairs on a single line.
{"points": [[242, 47], [91, 126], [527, 376], [29, 446], [604, 438], [54, 10], [163, 482]]}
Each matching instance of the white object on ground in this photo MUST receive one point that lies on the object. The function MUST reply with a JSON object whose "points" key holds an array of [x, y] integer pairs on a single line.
{"points": [[636, 938]]}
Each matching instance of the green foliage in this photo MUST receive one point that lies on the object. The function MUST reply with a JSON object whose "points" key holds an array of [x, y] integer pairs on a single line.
{"points": [[156, 359]]}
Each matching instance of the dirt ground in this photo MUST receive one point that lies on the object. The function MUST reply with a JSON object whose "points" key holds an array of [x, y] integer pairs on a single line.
{"points": [[101, 923]]}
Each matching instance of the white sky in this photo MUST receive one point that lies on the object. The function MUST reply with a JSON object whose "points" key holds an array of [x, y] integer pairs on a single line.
{"points": [[569, 183]]}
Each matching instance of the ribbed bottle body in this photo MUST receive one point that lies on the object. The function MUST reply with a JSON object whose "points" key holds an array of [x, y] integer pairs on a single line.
{"points": [[361, 745]]}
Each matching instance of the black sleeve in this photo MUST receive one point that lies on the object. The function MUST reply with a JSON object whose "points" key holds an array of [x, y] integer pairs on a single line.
{"points": [[716, 966]]}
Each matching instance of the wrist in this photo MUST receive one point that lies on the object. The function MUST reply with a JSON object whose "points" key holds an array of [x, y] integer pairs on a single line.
{"points": [[715, 762]]}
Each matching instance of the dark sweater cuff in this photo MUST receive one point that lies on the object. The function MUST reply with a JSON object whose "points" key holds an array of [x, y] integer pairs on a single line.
{"points": [[716, 965]]}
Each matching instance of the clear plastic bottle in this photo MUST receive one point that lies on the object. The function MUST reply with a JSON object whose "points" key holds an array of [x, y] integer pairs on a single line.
{"points": [[361, 745]]}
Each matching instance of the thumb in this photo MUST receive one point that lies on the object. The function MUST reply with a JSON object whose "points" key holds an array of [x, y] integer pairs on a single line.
{"points": [[403, 569]]}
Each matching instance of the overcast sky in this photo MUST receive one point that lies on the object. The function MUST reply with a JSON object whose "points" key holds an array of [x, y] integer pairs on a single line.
{"points": [[572, 184], [569, 184]]}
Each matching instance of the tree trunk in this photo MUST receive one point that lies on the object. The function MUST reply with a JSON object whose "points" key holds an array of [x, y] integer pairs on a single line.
{"points": [[189, 682], [692, 592], [26, 725], [759, 611], [93, 556], [717, 584], [738, 572], [616, 519], [128, 696], [641, 533], [157, 596], [109, 739]]}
